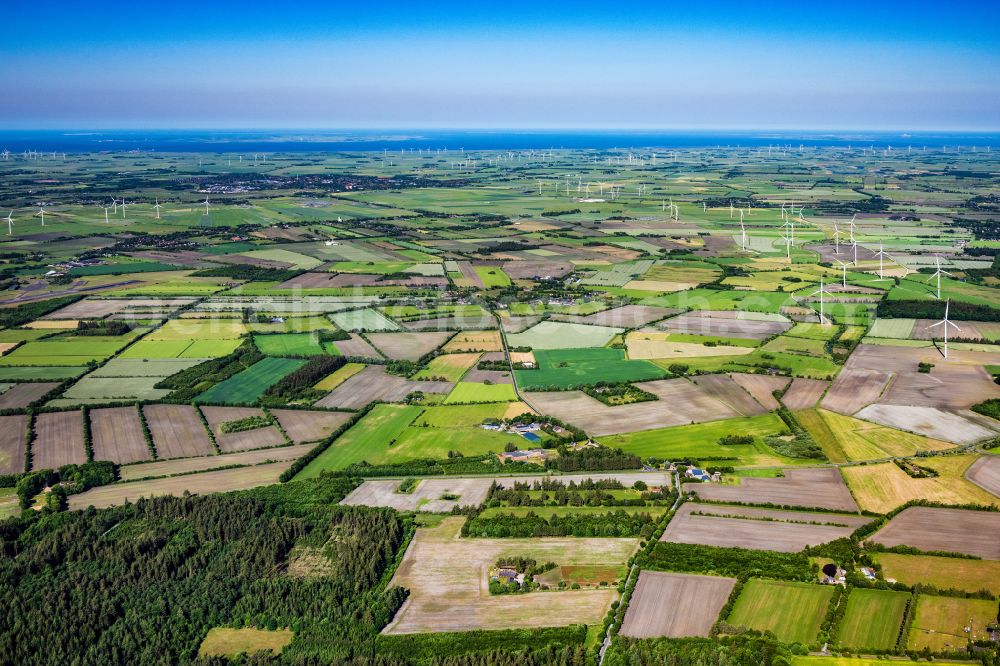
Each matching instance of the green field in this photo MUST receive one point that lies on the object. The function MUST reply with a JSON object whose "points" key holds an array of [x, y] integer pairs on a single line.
{"points": [[792, 611], [872, 619], [368, 439], [701, 440], [249, 385], [492, 277], [454, 416], [564, 368], [364, 320], [561, 335], [289, 344], [939, 622], [478, 392]]}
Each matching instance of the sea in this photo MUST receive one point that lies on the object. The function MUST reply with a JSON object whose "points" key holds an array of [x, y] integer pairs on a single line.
{"points": [[281, 141]]}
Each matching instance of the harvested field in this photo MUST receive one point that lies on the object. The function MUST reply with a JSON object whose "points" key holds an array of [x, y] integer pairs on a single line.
{"points": [[803, 393], [560, 335], [675, 605], [204, 463], [644, 345], [373, 383], [761, 387], [356, 347], [518, 324], [944, 573], [944, 530], [926, 421], [473, 341], [12, 435], [884, 486], [116, 435], [854, 389], [408, 346], [98, 308], [448, 367], [219, 481], [309, 426], [177, 431], [258, 438], [724, 388], [447, 579], [761, 529], [985, 473], [680, 402], [821, 488], [22, 395], [58, 440], [723, 325], [939, 623]]}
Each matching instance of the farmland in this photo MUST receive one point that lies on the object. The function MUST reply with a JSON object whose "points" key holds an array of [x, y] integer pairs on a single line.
{"points": [[471, 296], [793, 611], [872, 619], [675, 605]]}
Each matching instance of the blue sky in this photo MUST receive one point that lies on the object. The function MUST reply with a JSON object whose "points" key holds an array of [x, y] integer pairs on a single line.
{"points": [[873, 65]]}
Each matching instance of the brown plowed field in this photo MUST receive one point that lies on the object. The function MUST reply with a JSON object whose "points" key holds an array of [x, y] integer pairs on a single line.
{"points": [[408, 346], [187, 465], [985, 473], [357, 346], [177, 431], [775, 533], [12, 431], [945, 386], [680, 402], [116, 435], [258, 438], [309, 426], [675, 605], [703, 323], [627, 316], [821, 488], [803, 393], [58, 440], [761, 387], [945, 530], [219, 481], [854, 389], [728, 391], [373, 383], [20, 396]]}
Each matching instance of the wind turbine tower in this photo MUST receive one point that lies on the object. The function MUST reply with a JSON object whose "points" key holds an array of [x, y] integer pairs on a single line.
{"points": [[937, 274], [945, 324], [822, 290]]}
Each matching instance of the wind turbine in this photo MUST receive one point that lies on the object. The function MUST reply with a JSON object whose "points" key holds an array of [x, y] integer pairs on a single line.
{"points": [[881, 257], [730, 210], [945, 324], [836, 237], [114, 203], [157, 207], [106, 221], [743, 235], [844, 266], [938, 273], [10, 223], [206, 206], [41, 211], [822, 290]]}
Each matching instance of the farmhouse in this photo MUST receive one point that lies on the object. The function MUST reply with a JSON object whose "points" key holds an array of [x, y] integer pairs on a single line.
{"points": [[529, 455], [701, 475]]}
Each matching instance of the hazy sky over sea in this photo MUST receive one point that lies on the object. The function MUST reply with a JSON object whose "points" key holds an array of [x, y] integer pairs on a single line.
{"points": [[891, 65]]}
